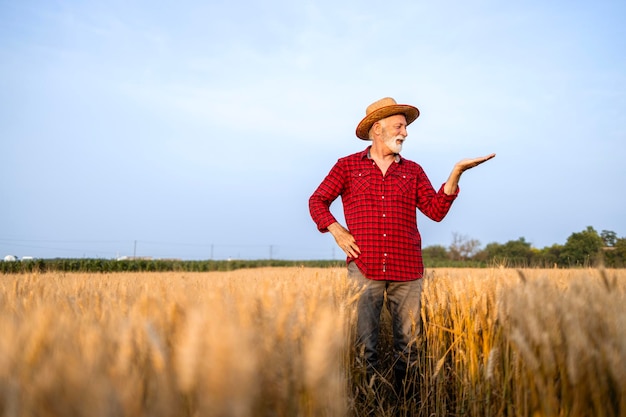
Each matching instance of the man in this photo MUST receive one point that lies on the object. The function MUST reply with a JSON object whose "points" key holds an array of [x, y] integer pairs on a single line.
{"points": [[380, 191]]}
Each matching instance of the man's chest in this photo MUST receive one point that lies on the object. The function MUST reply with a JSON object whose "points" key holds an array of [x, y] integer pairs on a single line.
{"points": [[369, 183]]}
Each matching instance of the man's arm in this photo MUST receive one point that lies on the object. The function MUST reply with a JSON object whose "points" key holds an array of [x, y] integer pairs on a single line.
{"points": [[321, 200], [452, 184]]}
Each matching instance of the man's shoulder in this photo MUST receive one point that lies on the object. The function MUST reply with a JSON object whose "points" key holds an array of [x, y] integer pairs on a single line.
{"points": [[410, 165], [355, 157]]}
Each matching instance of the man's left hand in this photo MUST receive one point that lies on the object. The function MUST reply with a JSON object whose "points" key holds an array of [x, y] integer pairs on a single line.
{"points": [[466, 164], [451, 185]]}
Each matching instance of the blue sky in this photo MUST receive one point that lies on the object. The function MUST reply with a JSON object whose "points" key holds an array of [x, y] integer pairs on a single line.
{"points": [[199, 129]]}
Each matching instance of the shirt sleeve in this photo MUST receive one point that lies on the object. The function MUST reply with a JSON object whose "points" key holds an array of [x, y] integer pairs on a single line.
{"points": [[327, 192], [434, 204]]}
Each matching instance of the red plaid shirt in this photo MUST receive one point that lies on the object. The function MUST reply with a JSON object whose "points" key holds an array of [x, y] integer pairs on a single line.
{"points": [[380, 212]]}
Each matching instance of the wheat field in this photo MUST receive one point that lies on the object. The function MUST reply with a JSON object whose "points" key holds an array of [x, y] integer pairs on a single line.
{"points": [[279, 342]]}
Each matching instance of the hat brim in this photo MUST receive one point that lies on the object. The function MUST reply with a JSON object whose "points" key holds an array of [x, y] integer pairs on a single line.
{"points": [[410, 112]]}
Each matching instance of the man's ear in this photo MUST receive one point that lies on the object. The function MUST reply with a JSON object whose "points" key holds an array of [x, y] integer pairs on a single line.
{"points": [[377, 128]]}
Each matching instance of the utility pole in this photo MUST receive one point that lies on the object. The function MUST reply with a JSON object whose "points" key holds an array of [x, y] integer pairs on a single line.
{"points": [[135, 250]]}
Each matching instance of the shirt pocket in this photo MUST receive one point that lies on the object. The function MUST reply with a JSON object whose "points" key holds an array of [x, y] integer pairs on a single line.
{"points": [[360, 181], [405, 184], [404, 189]]}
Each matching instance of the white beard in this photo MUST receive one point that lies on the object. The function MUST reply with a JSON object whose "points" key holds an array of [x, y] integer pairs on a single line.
{"points": [[393, 145]]}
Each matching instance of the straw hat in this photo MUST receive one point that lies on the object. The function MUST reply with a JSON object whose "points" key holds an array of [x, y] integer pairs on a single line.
{"points": [[382, 108]]}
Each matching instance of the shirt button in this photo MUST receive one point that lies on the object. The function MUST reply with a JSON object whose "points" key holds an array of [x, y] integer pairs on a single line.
{"points": [[383, 197], [385, 254], [384, 215], [384, 234]]}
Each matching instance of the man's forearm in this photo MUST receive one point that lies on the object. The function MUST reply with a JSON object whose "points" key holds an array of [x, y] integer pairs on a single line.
{"points": [[452, 184], [335, 229]]}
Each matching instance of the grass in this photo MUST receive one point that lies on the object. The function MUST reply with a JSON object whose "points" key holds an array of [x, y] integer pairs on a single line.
{"points": [[278, 342]]}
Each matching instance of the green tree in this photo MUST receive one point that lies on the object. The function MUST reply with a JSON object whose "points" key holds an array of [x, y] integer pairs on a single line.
{"points": [[615, 255], [620, 251], [550, 255], [491, 251], [608, 237], [514, 252], [582, 248], [435, 253]]}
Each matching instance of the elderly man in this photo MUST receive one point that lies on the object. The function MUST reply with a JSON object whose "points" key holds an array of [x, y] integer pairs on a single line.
{"points": [[380, 191]]}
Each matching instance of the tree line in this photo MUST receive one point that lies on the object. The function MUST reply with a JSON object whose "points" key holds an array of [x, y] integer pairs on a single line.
{"points": [[587, 248], [150, 265], [584, 248]]}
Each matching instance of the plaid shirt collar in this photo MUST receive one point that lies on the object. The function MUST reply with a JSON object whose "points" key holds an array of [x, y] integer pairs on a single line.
{"points": [[366, 154]]}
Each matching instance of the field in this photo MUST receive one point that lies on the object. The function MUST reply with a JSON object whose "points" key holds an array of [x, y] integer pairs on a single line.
{"points": [[278, 342]]}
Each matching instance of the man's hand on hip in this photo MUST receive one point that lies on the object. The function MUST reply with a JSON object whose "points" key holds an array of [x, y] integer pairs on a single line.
{"points": [[345, 240]]}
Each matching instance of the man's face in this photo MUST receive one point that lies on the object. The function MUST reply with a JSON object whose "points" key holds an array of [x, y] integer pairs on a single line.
{"points": [[394, 132]]}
